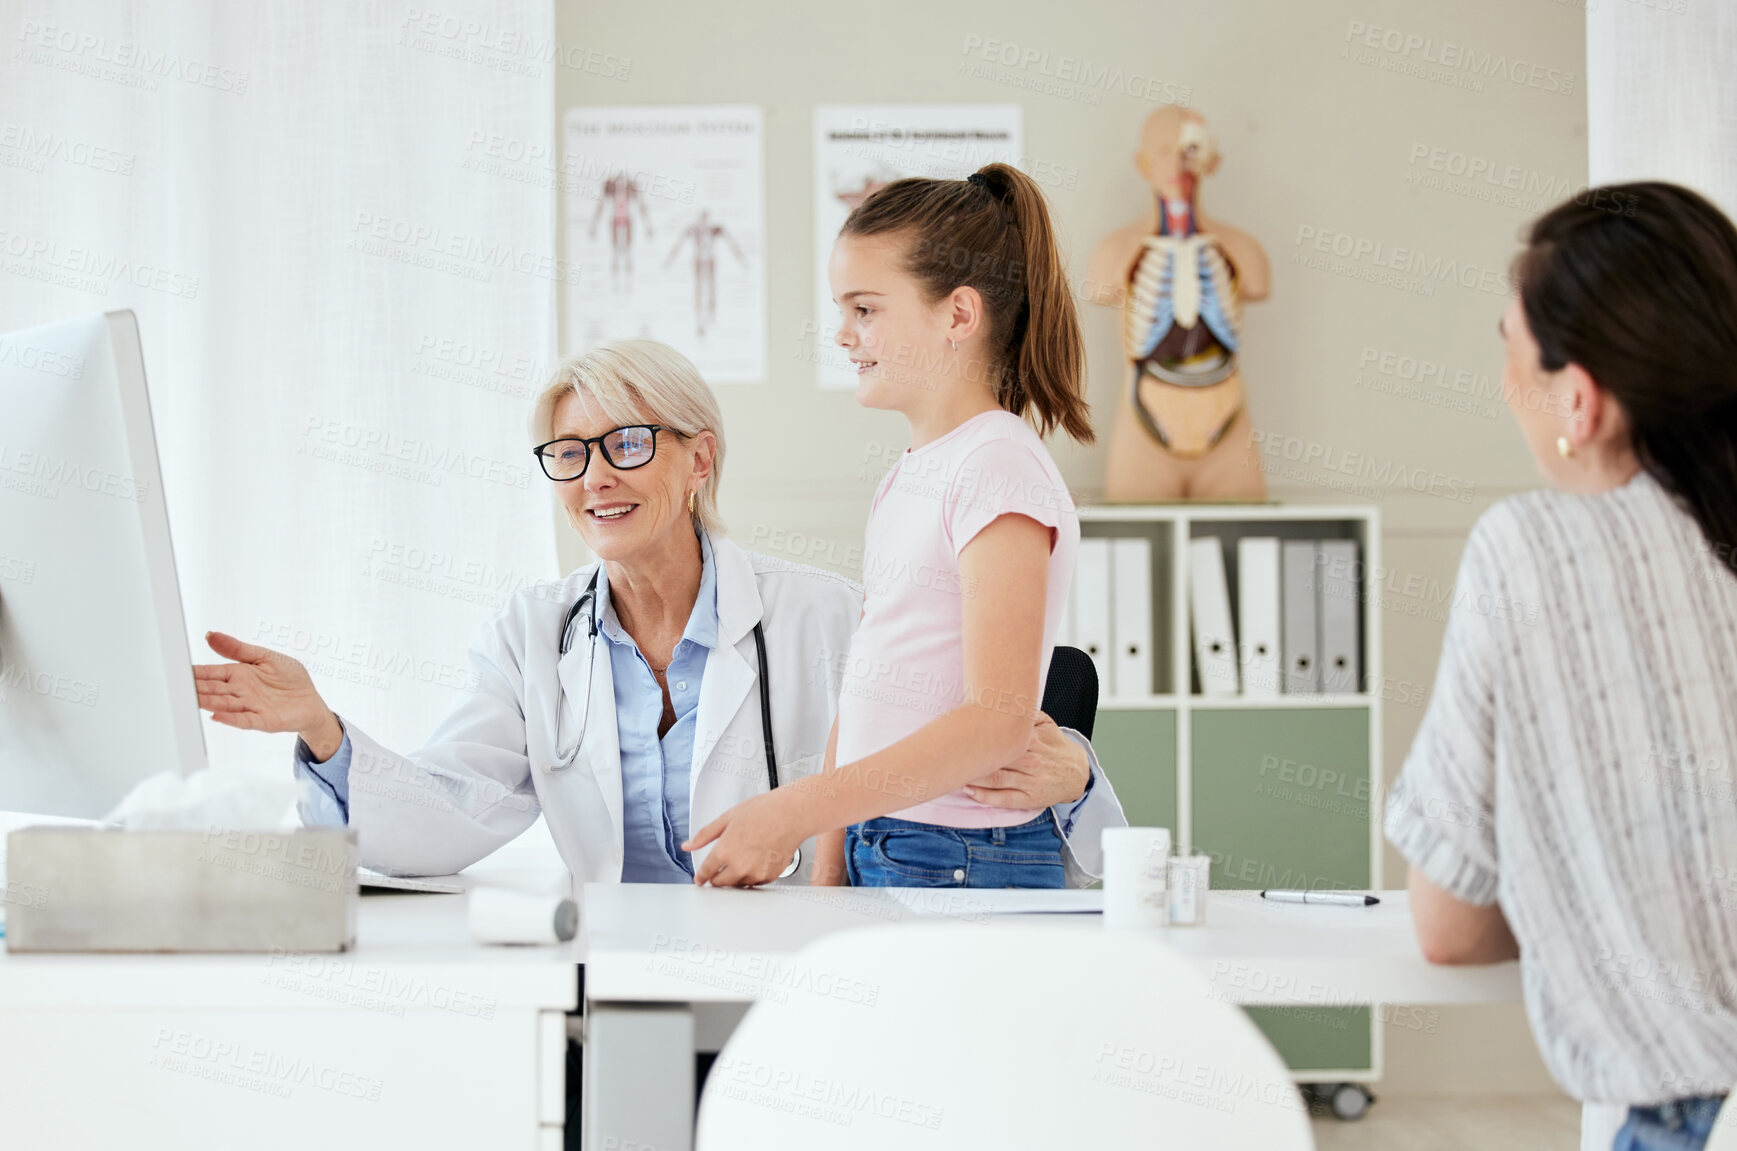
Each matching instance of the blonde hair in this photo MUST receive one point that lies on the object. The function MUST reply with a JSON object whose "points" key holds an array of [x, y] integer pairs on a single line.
{"points": [[635, 381]]}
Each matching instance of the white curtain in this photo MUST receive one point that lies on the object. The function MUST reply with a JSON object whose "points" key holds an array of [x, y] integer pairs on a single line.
{"points": [[1661, 94], [336, 226], [1661, 104]]}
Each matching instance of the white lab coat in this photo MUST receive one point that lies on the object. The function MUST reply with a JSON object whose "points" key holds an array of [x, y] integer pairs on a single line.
{"points": [[485, 773]]}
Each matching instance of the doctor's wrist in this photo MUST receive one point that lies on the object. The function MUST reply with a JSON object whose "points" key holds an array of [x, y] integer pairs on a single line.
{"points": [[324, 738]]}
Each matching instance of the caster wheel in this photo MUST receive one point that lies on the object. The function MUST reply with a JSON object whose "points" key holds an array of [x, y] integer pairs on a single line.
{"points": [[1350, 1101]]}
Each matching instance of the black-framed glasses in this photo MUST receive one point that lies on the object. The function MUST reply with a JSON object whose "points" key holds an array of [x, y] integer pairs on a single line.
{"points": [[632, 446]]}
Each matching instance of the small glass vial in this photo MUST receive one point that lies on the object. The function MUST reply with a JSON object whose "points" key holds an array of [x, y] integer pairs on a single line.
{"points": [[1190, 880]]}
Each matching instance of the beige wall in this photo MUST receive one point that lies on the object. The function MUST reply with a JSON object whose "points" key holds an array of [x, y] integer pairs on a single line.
{"points": [[1319, 131]]}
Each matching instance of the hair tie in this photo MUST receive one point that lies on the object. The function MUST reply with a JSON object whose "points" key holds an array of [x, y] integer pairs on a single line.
{"points": [[980, 180]]}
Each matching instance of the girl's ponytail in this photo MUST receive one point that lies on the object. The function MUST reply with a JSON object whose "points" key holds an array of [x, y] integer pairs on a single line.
{"points": [[1047, 362]]}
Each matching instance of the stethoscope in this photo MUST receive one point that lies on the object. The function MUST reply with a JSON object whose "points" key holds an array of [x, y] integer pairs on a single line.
{"points": [[564, 756]]}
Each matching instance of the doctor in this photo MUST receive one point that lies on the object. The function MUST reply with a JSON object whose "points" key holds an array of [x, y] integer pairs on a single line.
{"points": [[628, 702]]}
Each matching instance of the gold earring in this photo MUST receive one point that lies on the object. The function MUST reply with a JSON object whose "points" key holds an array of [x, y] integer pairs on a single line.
{"points": [[691, 503], [1563, 447]]}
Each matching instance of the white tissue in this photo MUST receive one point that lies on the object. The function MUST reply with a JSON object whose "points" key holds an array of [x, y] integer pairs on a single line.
{"points": [[230, 800]]}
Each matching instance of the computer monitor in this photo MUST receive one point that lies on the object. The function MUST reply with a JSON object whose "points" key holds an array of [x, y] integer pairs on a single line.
{"points": [[96, 679]]}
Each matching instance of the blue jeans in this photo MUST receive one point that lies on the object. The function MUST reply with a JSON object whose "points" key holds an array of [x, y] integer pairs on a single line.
{"points": [[888, 852], [1675, 1125]]}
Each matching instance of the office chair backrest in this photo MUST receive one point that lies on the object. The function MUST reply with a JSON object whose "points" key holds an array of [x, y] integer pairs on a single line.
{"points": [[925, 1036], [1070, 693]]}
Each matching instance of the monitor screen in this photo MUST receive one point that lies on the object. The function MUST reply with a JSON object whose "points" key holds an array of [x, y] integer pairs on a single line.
{"points": [[96, 681]]}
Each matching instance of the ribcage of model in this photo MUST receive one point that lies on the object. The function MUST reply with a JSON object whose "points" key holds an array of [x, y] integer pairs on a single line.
{"points": [[1180, 282]]}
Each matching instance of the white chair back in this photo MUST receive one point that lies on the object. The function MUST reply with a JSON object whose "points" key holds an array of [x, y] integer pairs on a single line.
{"points": [[1002, 1036]]}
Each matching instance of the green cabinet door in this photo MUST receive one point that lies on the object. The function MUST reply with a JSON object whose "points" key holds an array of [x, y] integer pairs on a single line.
{"points": [[1282, 796], [1137, 749], [1318, 1038]]}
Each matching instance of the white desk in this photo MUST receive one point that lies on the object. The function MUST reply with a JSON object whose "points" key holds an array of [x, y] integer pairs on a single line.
{"points": [[422, 1038], [418, 1038], [660, 960]]}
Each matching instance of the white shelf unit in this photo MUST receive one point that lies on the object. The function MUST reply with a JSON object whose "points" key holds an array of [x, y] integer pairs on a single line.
{"points": [[1170, 527]]}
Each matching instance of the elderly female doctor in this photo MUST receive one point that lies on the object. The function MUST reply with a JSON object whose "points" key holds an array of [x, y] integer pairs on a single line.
{"points": [[629, 701]]}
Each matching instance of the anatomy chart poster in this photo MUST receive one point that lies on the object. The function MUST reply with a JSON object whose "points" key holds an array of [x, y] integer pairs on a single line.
{"points": [[666, 232], [861, 149]]}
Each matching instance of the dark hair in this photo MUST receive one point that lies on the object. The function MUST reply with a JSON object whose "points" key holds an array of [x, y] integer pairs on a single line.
{"points": [[1637, 283], [992, 232]]}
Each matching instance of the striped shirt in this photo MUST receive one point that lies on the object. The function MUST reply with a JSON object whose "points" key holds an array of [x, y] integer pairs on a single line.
{"points": [[1575, 765]]}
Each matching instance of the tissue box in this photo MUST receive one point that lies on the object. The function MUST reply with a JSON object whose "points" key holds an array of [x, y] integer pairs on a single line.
{"points": [[99, 889]]}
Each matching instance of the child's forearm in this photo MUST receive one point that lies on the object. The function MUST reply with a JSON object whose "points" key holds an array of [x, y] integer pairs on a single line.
{"points": [[829, 860], [941, 756]]}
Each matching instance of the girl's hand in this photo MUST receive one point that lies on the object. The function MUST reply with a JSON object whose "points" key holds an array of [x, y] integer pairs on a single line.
{"points": [[752, 843]]}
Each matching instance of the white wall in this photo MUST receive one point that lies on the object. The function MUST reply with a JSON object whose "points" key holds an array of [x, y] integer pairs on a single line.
{"points": [[1319, 130]]}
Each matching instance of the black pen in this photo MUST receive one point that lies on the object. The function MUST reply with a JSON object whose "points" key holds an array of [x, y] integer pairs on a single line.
{"points": [[1336, 898]]}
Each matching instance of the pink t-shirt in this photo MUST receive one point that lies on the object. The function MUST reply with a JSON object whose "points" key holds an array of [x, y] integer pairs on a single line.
{"points": [[907, 661]]}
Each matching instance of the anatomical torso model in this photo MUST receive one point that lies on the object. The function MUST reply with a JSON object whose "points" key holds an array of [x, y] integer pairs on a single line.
{"points": [[1180, 278]]}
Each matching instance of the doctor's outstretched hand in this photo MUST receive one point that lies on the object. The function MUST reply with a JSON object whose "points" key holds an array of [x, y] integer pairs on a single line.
{"points": [[265, 690], [752, 843], [1052, 769]]}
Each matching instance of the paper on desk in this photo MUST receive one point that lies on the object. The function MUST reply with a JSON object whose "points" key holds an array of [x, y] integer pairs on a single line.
{"points": [[998, 901], [230, 800]]}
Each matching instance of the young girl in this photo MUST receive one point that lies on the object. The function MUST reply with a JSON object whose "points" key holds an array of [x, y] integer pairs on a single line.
{"points": [[958, 315]]}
